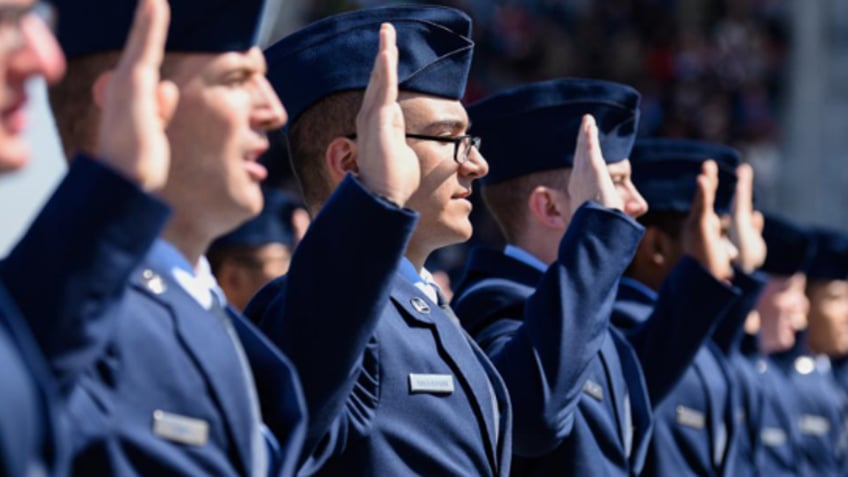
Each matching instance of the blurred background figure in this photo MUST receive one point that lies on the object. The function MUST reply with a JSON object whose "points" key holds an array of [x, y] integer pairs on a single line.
{"points": [[781, 311], [259, 250]]}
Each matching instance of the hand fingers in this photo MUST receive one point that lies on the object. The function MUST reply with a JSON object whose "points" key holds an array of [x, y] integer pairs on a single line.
{"points": [[596, 157], [582, 148], [707, 184], [743, 203], [758, 221], [167, 95], [382, 86], [146, 43]]}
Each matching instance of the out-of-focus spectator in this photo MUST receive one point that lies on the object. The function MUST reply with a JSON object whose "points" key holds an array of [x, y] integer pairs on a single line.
{"points": [[244, 260]]}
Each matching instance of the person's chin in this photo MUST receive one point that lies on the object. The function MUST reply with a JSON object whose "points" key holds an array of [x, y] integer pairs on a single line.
{"points": [[463, 231]]}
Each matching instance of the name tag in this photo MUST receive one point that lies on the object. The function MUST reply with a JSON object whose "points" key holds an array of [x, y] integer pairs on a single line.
{"points": [[182, 429], [773, 436], [690, 418], [594, 389], [431, 383], [813, 425]]}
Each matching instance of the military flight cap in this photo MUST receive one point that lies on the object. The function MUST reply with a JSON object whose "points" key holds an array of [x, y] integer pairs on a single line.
{"points": [[272, 225], [831, 258], [665, 172], [199, 26], [790, 246], [337, 54], [534, 128]]}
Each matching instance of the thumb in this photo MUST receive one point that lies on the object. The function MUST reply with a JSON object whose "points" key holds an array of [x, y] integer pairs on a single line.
{"points": [[167, 96]]}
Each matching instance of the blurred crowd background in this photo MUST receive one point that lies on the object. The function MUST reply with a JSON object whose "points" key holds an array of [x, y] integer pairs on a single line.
{"points": [[769, 77]]}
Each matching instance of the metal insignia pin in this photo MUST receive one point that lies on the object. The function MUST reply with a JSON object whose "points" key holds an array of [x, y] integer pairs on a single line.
{"points": [[420, 305], [154, 282]]}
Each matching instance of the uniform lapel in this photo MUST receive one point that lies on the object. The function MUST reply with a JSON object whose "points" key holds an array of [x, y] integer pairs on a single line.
{"points": [[617, 394], [504, 444], [640, 403], [16, 326], [716, 420], [732, 429], [458, 353], [206, 340], [278, 387]]}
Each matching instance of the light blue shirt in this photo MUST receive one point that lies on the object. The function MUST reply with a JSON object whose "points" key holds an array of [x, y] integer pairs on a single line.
{"points": [[524, 256], [422, 280], [199, 283], [640, 286]]}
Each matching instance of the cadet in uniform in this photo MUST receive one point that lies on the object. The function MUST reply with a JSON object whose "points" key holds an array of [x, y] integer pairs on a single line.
{"points": [[730, 335], [401, 390], [260, 250], [821, 402], [540, 308], [174, 392], [693, 405], [782, 309], [75, 259]]}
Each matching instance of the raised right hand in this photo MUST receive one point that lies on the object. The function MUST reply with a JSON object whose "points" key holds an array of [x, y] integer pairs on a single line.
{"points": [[387, 165], [590, 179], [137, 105], [702, 235]]}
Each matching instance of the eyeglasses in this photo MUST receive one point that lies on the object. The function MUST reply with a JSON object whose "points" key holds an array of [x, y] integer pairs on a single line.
{"points": [[11, 36], [461, 144]]}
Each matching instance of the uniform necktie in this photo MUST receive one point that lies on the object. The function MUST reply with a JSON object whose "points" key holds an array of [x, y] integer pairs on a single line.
{"points": [[258, 450], [443, 303]]}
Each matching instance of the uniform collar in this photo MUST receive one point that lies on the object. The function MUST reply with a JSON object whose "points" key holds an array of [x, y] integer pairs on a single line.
{"points": [[640, 287], [197, 281], [422, 279], [525, 257]]}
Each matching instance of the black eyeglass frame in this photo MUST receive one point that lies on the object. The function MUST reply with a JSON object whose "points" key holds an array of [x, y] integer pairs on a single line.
{"points": [[473, 141]]}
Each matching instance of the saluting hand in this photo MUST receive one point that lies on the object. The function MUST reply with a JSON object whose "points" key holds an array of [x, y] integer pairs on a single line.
{"points": [[137, 105], [387, 165], [747, 227], [702, 232], [590, 179]]}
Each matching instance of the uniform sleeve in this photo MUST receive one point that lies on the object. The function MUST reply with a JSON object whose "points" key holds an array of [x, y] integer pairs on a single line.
{"points": [[75, 260], [544, 356], [690, 305], [728, 333], [336, 289]]}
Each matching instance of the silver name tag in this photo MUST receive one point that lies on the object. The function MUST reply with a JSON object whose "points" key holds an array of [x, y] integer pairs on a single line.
{"points": [[690, 417], [813, 425], [182, 429], [431, 383], [773, 436], [593, 389]]}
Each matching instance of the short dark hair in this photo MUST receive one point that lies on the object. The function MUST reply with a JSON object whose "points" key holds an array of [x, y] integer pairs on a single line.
{"points": [[507, 200], [311, 133], [72, 102]]}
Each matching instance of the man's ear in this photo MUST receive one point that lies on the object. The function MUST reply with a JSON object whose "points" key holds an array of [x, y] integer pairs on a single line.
{"points": [[340, 158], [544, 208], [659, 245], [98, 89]]}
